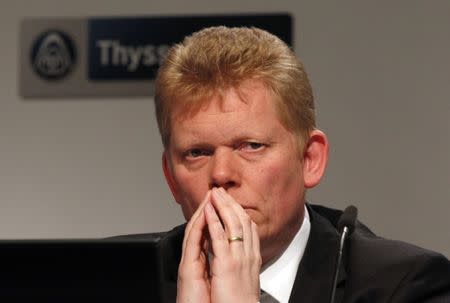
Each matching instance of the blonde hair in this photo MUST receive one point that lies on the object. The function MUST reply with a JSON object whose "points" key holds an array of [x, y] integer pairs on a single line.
{"points": [[215, 59]]}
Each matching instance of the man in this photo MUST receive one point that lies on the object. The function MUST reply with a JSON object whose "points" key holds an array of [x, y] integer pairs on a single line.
{"points": [[236, 115]]}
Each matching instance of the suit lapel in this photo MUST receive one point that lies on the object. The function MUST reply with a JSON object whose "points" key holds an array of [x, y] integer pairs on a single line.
{"points": [[314, 278]]}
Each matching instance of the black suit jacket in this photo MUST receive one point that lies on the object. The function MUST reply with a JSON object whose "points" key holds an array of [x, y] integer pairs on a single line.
{"points": [[373, 269]]}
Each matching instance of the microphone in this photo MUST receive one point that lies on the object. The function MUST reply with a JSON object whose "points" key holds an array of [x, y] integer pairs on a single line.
{"points": [[345, 226], [348, 220]]}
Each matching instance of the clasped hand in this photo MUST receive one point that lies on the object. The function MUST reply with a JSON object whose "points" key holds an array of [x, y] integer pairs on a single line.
{"points": [[216, 265]]}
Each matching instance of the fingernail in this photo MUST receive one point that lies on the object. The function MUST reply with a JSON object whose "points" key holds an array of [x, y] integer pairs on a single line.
{"points": [[209, 207], [208, 193], [215, 192]]}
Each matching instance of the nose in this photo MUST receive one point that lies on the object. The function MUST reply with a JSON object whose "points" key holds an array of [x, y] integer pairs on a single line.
{"points": [[224, 169]]}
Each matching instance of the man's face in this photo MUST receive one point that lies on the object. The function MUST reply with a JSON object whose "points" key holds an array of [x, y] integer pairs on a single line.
{"points": [[239, 144]]}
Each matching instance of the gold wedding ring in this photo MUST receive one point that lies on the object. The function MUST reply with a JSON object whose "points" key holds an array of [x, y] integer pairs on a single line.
{"points": [[235, 238]]}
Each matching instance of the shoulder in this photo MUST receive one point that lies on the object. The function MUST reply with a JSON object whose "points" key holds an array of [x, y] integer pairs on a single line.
{"points": [[405, 272], [391, 270]]}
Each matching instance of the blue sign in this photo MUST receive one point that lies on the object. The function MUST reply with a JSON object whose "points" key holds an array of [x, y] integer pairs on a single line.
{"points": [[133, 48]]}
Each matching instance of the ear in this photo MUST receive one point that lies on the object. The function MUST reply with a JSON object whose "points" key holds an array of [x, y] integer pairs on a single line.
{"points": [[169, 177], [315, 158]]}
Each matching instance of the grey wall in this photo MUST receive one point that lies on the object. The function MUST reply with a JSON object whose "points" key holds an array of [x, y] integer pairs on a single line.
{"points": [[380, 70]]}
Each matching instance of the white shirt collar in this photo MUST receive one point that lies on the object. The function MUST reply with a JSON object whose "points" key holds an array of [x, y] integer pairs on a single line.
{"points": [[278, 278]]}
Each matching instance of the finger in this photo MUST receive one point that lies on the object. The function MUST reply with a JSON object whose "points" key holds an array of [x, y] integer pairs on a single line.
{"points": [[255, 240], [245, 221], [192, 242], [194, 217], [219, 238], [223, 206]]}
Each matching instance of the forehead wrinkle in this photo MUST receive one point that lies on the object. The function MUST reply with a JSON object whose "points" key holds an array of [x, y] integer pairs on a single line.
{"points": [[216, 117], [208, 133]]}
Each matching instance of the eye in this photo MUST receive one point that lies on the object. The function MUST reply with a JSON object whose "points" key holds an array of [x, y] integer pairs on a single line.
{"points": [[252, 146], [196, 153]]}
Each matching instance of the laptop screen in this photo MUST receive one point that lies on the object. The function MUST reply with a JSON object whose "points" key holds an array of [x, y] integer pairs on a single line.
{"points": [[79, 271]]}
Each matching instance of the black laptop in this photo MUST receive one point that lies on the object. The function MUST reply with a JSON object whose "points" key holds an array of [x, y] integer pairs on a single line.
{"points": [[62, 271]]}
